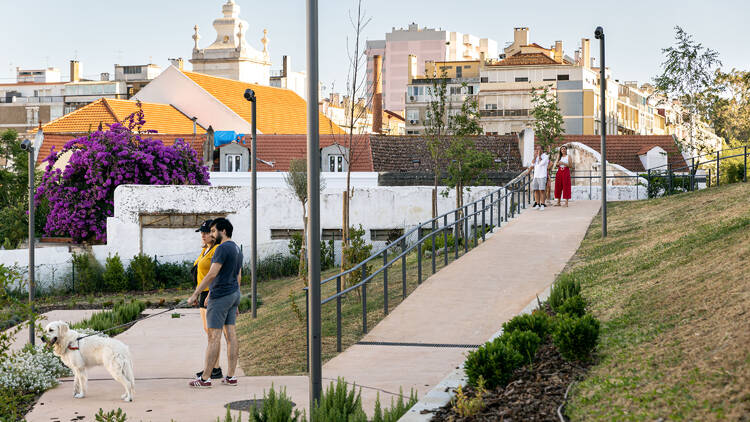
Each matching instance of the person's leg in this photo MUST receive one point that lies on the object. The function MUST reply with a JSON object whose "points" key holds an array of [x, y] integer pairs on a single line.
{"points": [[212, 352], [558, 188], [233, 348], [205, 328]]}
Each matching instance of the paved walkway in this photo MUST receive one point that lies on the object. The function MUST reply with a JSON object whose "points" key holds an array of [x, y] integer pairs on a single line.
{"points": [[465, 303]]}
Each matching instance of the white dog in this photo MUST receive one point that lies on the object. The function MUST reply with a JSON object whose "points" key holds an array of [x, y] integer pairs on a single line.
{"points": [[89, 352]]}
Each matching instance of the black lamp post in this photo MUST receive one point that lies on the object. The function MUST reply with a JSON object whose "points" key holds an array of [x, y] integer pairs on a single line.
{"points": [[250, 96], [29, 148], [599, 35]]}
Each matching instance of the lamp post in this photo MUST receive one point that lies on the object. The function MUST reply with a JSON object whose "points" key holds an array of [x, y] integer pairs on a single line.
{"points": [[29, 148], [250, 96], [313, 203], [599, 34]]}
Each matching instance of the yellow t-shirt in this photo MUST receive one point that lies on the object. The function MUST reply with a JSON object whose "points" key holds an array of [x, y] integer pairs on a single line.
{"points": [[204, 263]]}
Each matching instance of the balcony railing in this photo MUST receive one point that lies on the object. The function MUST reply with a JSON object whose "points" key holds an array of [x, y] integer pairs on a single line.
{"points": [[521, 112]]}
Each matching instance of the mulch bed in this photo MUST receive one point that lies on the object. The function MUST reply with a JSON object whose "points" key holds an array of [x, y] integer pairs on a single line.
{"points": [[533, 394]]}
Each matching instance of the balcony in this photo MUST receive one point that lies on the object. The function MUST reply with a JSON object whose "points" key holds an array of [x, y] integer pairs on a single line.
{"points": [[521, 112], [32, 100]]}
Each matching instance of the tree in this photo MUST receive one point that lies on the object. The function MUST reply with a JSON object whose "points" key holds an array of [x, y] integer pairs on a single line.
{"points": [[436, 128], [548, 120], [81, 196], [688, 75], [296, 180], [729, 106]]}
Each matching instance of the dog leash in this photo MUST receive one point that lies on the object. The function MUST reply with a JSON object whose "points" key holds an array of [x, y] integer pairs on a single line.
{"points": [[96, 333]]}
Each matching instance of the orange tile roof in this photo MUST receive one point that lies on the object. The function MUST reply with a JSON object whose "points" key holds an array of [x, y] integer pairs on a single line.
{"points": [[162, 118], [522, 59], [280, 111]]}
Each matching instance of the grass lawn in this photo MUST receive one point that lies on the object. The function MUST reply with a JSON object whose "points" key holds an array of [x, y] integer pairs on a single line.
{"points": [[671, 285]]}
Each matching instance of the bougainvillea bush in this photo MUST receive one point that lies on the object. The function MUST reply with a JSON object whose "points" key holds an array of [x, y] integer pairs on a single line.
{"points": [[81, 196]]}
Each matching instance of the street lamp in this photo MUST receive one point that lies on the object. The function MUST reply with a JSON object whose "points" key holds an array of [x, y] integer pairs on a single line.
{"points": [[29, 148], [250, 96], [599, 35]]}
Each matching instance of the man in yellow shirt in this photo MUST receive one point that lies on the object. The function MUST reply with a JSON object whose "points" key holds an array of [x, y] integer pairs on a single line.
{"points": [[202, 265]]}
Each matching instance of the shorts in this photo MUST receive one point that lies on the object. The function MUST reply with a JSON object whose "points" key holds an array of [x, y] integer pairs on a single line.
{"points": [[202, 299], [222, 311], [539, 183]]}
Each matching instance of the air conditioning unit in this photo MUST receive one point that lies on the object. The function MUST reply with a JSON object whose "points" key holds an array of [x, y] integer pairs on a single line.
{"points": [[413, 122], [411, 98]]}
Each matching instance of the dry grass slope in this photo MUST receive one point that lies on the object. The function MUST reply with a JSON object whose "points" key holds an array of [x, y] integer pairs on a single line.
{"points": [[671, 285]]}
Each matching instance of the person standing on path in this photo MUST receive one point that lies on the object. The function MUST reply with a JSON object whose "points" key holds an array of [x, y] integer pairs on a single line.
{"points": [[539, 182], [201, 267], [562, 178], [224, 277]]}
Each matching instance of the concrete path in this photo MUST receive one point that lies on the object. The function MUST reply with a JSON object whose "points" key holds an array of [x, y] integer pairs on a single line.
{"points": [[463, 304]]}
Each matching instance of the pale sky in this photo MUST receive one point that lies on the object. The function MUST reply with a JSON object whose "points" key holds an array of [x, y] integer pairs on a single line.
{"points": [[100, 33]]}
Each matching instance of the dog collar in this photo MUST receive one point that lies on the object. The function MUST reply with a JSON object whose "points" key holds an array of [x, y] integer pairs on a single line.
{"points": [[72, 348]]}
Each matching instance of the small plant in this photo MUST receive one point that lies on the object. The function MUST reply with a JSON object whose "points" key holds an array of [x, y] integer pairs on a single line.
{"points": [[524, 342], [494, 361], [246, 303], [295, 307], [339, 404], [574, 306], [357, 251], [468, 405], [88, 273], [122, 313], [114, 277], [576, 337], [111, 416], [142, 272], [538, 322], [274, 266], [566, 286], [397, 409], [277, 407], [31, 369]]}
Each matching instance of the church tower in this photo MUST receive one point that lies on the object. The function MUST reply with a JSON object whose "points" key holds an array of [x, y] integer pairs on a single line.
{"points": [[230, 56]]}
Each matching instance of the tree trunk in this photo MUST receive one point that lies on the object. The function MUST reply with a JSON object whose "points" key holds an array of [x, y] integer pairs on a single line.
{"points": [[345, 231], [303, 249]]}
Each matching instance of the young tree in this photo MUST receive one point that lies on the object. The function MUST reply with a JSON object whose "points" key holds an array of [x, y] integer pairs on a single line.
{"points": [[436, 129], [687, 75], [729, 113], [548, 120], [296, 180]]}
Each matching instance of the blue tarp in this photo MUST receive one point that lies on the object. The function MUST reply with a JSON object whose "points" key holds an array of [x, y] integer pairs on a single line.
{"points": [[222, 137]]}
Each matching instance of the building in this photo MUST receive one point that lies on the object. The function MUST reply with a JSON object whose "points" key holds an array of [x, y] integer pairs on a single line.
{"points": [[461, 79], [137, 76], [289, 79], [230, 56], [426, 44], [338, 109]]}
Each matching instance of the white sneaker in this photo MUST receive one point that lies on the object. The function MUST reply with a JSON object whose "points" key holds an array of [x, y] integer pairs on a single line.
{"points": [[541, 208]]}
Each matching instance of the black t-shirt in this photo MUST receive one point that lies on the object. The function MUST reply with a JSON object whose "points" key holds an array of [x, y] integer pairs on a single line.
{"points": [[229, 255]]}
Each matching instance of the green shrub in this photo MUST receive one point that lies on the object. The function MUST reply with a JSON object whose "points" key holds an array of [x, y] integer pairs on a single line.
{"points": [[275, 408], [272, 267], [326, 251], [121, 313], [358, 251], [246, 302], [524, 342], [440, 242], [574, 306], [111, 416], [142, 273], [494, 361], [566, 286], [537, 321], [732, 170], [339, 404], [576, 337], [171, 275], [114, 277], [87, 273], [397, 409]]}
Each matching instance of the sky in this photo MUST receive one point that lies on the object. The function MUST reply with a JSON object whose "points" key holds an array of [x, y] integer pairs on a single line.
{"points": [[100, 33]]}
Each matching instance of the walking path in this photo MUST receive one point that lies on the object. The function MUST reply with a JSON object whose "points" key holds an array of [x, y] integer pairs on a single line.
{"points": [[464, 304]]}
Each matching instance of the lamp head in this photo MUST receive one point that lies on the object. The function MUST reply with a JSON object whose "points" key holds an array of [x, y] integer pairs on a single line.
{"points": [[250, 95], [599, 33], [26, 145]]}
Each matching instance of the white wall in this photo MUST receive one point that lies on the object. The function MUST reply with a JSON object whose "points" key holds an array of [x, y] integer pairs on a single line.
{"points": [[269, 179], [614, 193]]}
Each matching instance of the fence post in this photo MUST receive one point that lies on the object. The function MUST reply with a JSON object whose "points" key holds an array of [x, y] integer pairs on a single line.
{"points": [[505, 198], [466, 228], [338, 313], [364, 300], [589, 185], [708, 180], [718, 163], [475, 225], [419, 262], [385, 280], [73, 274], [744, 172], [434, 239], [484, 207], [403, 266], [492, 207], [669, 172], [455, 234], [445, 238]]}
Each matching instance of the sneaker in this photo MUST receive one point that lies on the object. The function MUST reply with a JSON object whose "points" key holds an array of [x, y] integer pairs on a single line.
{"points": [[216, 374], [199, 383], [536, 205], [541, 207], [231, 381]]}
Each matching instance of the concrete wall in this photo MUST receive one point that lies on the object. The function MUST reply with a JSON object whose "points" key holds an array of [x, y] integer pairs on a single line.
{"points": [[267, 179], [614, 193]]}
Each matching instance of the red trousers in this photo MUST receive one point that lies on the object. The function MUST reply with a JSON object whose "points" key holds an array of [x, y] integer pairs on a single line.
{"points": [[562, 183]]}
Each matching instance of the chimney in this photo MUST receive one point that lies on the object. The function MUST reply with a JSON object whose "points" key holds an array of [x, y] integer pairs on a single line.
{"points": [[286, 64], [578, 57], [377, 98], [412, 67], [178, 63], [75, 71], [521, 36], [586, 52], [558, 52], [104, 76]]}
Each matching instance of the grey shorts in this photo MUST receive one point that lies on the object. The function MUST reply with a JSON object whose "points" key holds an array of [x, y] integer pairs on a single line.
{"points": [[539, 183], [222, 311]]}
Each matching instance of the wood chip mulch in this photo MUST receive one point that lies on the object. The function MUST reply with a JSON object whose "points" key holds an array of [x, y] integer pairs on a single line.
{"points": [[533, 394]]}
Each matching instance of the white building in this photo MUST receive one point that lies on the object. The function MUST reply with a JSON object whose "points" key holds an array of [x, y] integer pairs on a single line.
{"points": [[289, 79], [425, 44], [230, 56]]}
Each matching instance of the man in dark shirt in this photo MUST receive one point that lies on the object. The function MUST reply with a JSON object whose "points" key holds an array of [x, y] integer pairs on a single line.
{"points": [[222, 303]]}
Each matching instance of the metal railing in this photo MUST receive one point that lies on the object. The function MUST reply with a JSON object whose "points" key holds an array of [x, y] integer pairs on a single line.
{"points": [[685, 178], [468, 223]]}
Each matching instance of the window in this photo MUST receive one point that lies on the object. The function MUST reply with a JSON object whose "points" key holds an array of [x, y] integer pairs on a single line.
{"points": [[563, 77], [484, 79], [284, 233], [467, 66], [455, 90], [234, 162], [329, 234], [336, 163], [489, 106], [522, 79], [412, 132], [131, 70], [459, 72], [412, 114], [385, 234]]}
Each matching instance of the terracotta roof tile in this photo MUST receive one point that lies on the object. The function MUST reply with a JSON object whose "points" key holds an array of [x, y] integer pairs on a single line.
{"points": [[625, 149], [280, 111]]}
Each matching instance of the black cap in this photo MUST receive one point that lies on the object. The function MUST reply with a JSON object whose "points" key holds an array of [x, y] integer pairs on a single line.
{"points": [[205, 226]]}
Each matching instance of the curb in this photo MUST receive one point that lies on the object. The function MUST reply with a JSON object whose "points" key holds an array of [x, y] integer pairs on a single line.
{"points": [[442, 393]]}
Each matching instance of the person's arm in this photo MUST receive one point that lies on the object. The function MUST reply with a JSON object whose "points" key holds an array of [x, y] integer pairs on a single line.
{"points": [[544, 160], [207, 280], [239, 278]]}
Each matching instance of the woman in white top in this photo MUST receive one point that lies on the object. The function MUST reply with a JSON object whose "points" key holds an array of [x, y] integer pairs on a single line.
{"points": [[562, 178]]}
